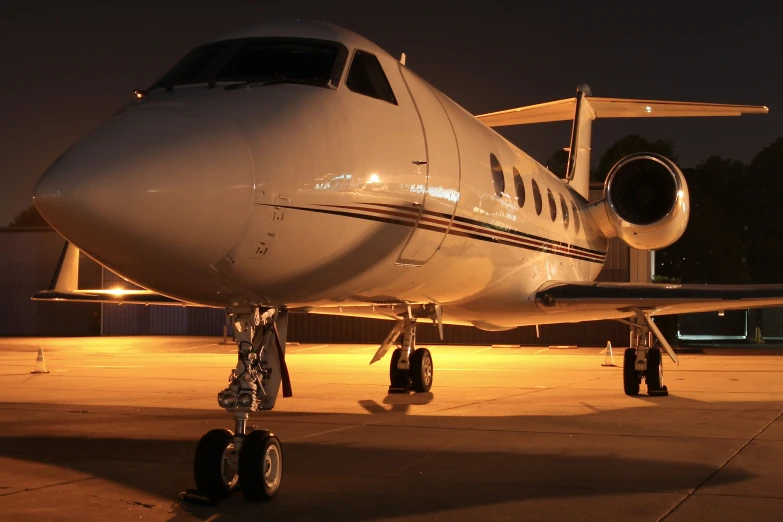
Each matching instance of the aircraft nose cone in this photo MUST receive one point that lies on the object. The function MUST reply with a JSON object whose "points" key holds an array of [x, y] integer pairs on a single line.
{"points": [[151, 182]]}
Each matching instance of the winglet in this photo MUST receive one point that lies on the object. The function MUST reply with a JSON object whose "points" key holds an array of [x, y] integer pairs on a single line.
{"points": [[66, 275]]}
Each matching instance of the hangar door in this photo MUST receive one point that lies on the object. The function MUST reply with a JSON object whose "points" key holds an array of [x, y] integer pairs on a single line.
{"points": [[441, 192]]}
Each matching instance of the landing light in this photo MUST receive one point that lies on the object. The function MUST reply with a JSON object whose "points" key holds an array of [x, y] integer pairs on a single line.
{"points": [[118, 291], [374, 178], [139, 94], [648, 108]]}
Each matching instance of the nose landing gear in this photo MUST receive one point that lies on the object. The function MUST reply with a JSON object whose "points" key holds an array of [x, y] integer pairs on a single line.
{"points": [[247, 459]]}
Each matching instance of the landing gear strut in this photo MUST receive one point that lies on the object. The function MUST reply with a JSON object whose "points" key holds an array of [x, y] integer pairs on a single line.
{"points": [[643, 360], [248, 458]]}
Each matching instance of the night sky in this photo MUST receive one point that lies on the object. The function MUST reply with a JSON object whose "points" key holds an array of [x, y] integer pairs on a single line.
{"points": [[66, 68]]}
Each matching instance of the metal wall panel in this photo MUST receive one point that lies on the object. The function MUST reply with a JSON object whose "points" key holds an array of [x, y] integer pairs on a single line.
{"points": [[311, 328], [206, 321], [28, 258], [168, 320], [125, 320], [772, 323]]}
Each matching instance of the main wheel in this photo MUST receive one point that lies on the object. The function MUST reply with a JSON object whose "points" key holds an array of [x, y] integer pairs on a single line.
{"points": [[398, 379], [421, 370], [215, 464], [654, 374], [630, 378], [260, 465]]}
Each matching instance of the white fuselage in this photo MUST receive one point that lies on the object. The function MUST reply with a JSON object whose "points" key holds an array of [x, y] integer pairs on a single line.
{"points": [[305, 196]]}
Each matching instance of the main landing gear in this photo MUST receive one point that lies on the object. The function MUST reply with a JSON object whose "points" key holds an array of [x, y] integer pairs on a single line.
{"points": [[643, 360], [411, 368], [247, 458]]}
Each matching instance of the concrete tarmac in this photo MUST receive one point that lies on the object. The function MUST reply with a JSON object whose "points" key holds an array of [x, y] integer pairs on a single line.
{"points": [[506, 434]]}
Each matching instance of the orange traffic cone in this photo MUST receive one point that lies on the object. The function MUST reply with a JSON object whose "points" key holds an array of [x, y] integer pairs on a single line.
{"points": [[608, 357], [40, 364]]}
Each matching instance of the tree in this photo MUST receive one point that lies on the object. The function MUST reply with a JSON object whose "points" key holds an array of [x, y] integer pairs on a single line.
{"points": [[631, 144], [761, 195], [558, 163], [712, 249], [29, 217]]}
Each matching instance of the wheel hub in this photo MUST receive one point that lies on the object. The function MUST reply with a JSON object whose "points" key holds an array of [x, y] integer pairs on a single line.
{"points": [[427, 369], [272, 467], [229, 466]]}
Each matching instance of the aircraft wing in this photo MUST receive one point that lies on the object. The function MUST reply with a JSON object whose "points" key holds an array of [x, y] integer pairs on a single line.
{"points": [[612, 300], [65, 287], [145, 297], [563, 110]]}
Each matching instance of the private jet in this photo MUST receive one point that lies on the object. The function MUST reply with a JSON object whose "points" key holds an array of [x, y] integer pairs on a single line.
{"points": [[296, 167]]}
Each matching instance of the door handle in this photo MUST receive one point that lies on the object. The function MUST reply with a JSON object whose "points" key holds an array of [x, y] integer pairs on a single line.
{"points": [[419, 163]]}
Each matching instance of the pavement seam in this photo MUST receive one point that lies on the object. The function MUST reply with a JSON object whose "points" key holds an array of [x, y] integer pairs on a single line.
{"points": [[28, 490], [526, 392], [703, 482], [489, 430], [764, 497], [76, 481]]}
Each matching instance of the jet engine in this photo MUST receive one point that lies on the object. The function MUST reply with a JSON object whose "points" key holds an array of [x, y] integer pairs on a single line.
{"points": [[645, 202]]}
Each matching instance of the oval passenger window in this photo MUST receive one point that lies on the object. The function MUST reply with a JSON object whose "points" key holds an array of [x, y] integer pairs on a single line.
{"points": [[552, 205], [536, 196], [520, 187], [498, 180]]}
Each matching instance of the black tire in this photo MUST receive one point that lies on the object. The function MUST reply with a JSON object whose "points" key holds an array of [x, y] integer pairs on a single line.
{"points": [[630, 377], [654, 374], [397, 378], [422, 370], [260, 465], [208, 465]]}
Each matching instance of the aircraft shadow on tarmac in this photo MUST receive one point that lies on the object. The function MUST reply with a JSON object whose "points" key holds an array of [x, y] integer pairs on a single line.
{"points": [[388, 470]]}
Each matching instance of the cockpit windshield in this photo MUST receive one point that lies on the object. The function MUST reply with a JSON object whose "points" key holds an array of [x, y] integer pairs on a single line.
{"points": [[260, 60]]}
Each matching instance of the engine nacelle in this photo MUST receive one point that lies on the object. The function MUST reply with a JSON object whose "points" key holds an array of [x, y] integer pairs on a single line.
{"points": [[645, 203]]}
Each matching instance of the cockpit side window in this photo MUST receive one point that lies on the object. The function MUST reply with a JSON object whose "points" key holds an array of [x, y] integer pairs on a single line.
{"points": [[261, 60], [366, 77]]}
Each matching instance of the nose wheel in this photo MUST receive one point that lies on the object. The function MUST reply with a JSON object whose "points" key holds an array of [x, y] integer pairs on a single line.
{"points": [[215, 464], [260, 465]]}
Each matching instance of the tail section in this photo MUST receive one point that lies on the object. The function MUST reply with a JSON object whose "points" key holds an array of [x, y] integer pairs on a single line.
{"points": [[583, 109]]}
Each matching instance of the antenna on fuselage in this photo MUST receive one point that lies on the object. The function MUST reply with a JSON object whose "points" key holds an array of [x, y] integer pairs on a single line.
{"points": [[402, 59]]}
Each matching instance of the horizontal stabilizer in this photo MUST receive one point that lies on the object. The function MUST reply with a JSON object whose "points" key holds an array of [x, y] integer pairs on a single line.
{"points": [[563, 110]]}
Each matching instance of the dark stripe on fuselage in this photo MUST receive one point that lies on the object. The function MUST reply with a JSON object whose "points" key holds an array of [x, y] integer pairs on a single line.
{"points": [[498, 228], [472, 231], [443, 228]]}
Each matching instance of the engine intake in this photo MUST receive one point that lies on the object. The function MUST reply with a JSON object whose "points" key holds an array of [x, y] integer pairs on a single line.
{"points": [[645, 202]]}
